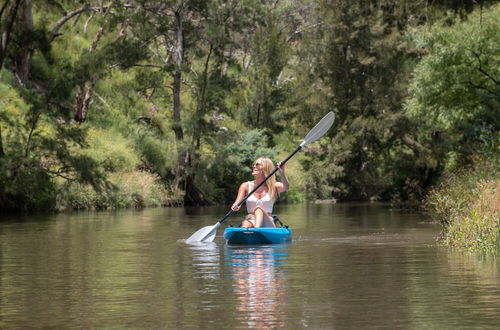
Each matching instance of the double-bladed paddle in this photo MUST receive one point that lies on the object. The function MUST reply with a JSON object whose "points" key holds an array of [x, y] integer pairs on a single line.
{"points": [[207, 234]]}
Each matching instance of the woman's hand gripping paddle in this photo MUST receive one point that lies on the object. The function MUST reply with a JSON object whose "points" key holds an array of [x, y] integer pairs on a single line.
{"points": [[207, 234]]}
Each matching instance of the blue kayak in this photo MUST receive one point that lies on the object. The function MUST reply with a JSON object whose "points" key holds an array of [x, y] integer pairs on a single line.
{"points": [[257, 236]]}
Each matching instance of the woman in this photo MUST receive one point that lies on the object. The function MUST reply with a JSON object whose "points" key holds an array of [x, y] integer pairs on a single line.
{"points": [[260, 203]]}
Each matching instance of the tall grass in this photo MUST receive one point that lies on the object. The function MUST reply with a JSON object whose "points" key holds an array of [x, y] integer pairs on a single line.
{"points": [[467, 204], [136, 189]]}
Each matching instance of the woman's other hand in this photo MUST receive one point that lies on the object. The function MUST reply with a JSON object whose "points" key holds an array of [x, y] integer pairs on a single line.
{"points": [[282, 186], [281, 167]]}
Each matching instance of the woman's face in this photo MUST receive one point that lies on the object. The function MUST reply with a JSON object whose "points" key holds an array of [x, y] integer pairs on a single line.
{"points": [[257, 167], [262, 166]]}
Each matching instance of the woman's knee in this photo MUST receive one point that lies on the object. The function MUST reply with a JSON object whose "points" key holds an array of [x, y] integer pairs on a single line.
{"points": [[246, 224], [258, 210]]}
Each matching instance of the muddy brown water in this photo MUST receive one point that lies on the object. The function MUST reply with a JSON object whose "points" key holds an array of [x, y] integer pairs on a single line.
{"points": [[349, 266]]}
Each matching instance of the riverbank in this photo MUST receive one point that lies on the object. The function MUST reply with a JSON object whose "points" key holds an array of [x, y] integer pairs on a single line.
{"points": [[137, 189], [467, 204]]}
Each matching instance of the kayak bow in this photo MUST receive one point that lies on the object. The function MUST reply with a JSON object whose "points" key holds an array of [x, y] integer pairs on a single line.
{"points": [[257, 236]]}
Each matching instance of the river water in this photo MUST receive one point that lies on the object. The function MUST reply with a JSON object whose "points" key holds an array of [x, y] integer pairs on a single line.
{"points": [[349, 266]]}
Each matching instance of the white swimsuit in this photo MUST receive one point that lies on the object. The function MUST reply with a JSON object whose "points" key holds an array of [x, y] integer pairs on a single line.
{"points": [[265, 202]]}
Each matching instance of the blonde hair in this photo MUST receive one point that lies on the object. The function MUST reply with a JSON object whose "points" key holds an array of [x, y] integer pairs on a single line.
{"points": [[268, 167]]}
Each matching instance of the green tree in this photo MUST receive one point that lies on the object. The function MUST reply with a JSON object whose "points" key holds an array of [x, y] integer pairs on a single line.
{"points": [[43, 143], [455, 94], [265, 89], [196, 46], [355, 62]]}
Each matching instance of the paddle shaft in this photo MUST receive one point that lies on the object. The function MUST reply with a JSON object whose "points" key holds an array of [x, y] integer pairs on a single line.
{"points": [[260, 184]]}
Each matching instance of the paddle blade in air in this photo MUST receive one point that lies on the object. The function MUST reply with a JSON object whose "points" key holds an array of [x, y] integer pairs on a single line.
{"points": [[320, 129], [205, 234]]}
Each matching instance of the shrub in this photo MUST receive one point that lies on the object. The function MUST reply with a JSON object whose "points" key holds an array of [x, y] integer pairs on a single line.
{"points": [[467, 204], [136, 189], [111, 150], [25, 187], [157, 156], [228, 164]]}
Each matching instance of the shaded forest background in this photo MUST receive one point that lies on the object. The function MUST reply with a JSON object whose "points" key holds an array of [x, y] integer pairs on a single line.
{"points": [[108, 104]]}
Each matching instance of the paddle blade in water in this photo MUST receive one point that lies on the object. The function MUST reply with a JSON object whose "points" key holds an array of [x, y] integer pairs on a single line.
{"points": [[320, 129], [205, 234]]}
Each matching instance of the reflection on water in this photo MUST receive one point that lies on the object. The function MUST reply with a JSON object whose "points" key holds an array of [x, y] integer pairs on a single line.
{"points": [[259, 284], [205, 259]]}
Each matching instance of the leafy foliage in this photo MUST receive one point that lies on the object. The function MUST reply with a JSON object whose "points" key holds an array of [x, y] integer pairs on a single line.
{"points": [[360, 72], [35, 147], [183, 95], [231, 164], [455, 93]]}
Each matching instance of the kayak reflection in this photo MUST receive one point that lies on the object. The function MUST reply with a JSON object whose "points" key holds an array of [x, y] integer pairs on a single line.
{"points": [[259, 283]]}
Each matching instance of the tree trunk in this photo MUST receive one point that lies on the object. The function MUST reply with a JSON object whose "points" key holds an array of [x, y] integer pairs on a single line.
{"points": [[86, 89], [83, 99], [184, 177], [6, 28], [1, 144], [193, 195], [176, 110], [202, 100], [182, 154], [23, 63]]}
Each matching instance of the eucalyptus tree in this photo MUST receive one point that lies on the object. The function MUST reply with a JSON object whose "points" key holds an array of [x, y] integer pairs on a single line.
{"points": [[198, 47], [265, 86], [359, 61], [8, 15], [355, 62], [172, 32], [34, 95], [38, 137], [455, 92]]}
